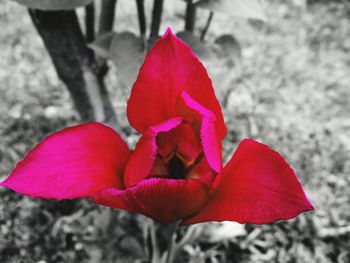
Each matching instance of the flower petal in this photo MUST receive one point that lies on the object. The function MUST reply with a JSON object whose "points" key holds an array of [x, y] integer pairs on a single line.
{"points": [[202, 172], [256, 186], [208, 132], [164, 200], [182, 138], [142, 159], [75, 162], [170, 67]]}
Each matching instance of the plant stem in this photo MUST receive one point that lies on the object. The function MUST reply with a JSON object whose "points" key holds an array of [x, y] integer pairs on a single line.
{"points": [[192, 232], [207, 24], [172, 250], [156, 18], [142, 18], [64, 40], [107, 16], [154, 253], [190, 17]]}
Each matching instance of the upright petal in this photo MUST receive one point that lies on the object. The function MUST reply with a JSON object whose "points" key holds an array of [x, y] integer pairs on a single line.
{"points": [[256, 186], [208, 133], [142, 159], [75, 162], [169, 68], [164, 200]]}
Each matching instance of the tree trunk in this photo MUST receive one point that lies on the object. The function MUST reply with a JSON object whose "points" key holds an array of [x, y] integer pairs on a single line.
{"points": [[64, 40]]}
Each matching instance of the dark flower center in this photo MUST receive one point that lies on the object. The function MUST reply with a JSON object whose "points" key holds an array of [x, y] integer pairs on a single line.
{"points": [[176, 168]]}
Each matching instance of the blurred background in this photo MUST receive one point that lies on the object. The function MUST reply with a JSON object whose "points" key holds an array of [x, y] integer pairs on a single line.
{"points": [[285, 82]]}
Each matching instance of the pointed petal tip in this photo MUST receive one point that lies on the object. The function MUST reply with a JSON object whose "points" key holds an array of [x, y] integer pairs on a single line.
{"points": [[310, 206], [54, 167], [263, 184], [170, 67], [168, 33]]}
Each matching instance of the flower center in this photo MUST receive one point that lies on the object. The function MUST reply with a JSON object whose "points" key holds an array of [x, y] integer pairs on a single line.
{"points": [[176, 168], [180, 156]]}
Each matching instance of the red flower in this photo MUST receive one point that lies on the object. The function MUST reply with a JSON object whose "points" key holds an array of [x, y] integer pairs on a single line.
{"points": [[175, 172]]}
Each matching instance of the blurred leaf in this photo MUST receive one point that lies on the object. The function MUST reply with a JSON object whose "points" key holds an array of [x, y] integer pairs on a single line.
{"points": [[228, 49], [53, 4], [131, 246], [240, 8], [218, 232], [225, 65], [300, 3], [102, 44], [151, 41], [201, 49], [127, 53]]}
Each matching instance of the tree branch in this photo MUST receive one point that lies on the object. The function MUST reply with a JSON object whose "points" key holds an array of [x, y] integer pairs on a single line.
{"points": [[156, 18], [90, 27], [206, 27], [90, 22], [107, 16], [142, 18], [106, 23], [190, 17]]}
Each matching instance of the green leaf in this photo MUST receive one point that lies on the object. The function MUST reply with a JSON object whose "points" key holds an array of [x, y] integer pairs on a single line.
{"points": [[201, 49], [53, 4], [241, 8], [102, 44], [127, 53]]}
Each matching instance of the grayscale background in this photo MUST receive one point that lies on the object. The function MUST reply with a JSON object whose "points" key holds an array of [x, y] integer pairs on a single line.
{"points": [[288, 86]]}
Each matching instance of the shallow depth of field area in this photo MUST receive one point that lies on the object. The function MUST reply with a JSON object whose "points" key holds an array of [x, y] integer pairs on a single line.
{"points": [[290, 91]]}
